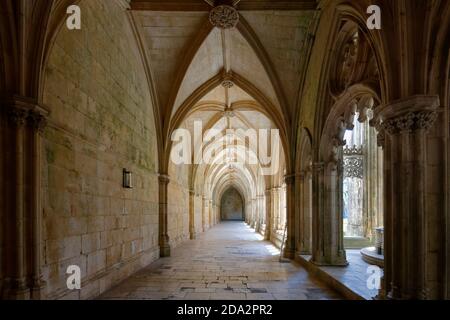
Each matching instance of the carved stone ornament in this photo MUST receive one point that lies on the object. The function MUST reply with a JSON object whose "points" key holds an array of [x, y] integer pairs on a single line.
{"points": [[227, 84], [410, 122], [164, 179], [229, 113], [354, 167], [37, 121], [224, 17], [18, 116]]}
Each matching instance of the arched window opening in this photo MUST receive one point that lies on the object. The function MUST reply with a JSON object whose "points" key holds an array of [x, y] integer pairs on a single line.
{"points": [[362, 185]]}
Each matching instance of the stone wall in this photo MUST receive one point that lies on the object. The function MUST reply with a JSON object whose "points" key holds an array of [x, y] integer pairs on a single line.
{"points": [[101, 122]]}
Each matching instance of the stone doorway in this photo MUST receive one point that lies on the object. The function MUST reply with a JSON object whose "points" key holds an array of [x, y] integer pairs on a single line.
{"points": [[232, 206]]}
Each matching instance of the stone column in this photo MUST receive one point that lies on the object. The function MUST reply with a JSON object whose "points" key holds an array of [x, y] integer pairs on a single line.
{"points": [[303, 245], [204, 225], [328, 247], [164, 243], [275, 209], [289, 248], [192, 234], [38, 123], [267, 231], [23, 216], [210, 212], [18, 288], [405, 124], [259, 213], [254, 211]]}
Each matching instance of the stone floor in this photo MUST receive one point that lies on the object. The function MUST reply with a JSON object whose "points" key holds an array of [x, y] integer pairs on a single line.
{"points": [[229, 261], [354, 276]]}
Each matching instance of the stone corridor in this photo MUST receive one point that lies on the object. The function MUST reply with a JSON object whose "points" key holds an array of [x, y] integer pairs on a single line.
{"points": [[229, 261]]}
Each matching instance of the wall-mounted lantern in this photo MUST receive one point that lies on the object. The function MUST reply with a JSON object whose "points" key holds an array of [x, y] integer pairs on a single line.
{"points": [[127, 179]]}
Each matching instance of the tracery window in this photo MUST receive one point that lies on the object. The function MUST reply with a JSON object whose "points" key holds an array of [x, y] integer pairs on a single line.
{"points": [[362, 182]]}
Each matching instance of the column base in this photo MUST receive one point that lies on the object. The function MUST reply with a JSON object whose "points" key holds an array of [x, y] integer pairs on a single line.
{"points": [[193, 235], [338, 261], [37, 291], [164, 248], [16, 289], [288, 253]]}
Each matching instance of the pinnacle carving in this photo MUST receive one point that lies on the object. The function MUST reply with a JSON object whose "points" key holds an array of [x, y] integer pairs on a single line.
{"points": [[224, 17]]}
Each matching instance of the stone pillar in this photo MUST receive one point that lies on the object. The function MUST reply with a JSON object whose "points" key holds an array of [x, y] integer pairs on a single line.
{"points": [[259, 213], [18, 286], [254, 211], [38, 123], [303, 201], [23, 217], [267, 231], [328, 246], [405, 124], [204, 225], [289, 247], [210, 212], [164, 244], [192, 233], [275, 202]]}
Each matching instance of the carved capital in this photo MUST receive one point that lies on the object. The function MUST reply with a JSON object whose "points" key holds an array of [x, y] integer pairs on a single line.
{"points": [[410, 122], [18, 116], [318, 167], [224, 17], [405, 123], [163, 179], [425, 119], [408, 115], [289, 179], [37, 121], [21, 110]]}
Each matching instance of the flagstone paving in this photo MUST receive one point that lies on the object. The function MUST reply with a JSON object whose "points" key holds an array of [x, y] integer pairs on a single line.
{"points": [[229, 261]]}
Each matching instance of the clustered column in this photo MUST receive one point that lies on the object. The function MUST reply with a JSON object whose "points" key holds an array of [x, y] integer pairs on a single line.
{"points": [[405, 124], [192, 233], [289, 249], [163, 231], [268, 218], [22, 278]]}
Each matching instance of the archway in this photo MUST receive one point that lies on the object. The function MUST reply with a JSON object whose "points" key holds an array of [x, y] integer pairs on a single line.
{"points": [[232, 206]]}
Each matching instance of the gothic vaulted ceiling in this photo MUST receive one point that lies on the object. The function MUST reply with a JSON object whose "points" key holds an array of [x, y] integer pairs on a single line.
{"points": [[185, 51]]}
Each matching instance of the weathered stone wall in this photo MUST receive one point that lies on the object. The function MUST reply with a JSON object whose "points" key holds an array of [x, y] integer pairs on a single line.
{"points": [[101, 122]]}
